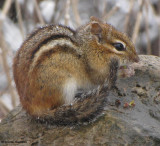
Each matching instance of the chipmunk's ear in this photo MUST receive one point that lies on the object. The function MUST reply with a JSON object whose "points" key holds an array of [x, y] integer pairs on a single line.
{"points": [[96, 30]]}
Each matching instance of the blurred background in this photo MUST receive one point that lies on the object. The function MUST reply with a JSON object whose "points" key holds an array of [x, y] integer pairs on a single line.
{"points": [[139, 19]]}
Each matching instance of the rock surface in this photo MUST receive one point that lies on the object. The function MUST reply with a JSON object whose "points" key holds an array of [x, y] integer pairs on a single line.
{"points": [[131, 116]]}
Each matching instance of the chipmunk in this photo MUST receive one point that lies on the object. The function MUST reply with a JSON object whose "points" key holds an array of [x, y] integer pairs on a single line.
{"points": [[55, 62]]}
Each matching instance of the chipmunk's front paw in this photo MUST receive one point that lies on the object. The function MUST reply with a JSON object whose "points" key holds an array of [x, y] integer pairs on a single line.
{"points": [[126, 71]]}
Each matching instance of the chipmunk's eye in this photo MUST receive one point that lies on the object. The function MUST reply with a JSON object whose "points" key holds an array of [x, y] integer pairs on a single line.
{"points": [[119, 47]]}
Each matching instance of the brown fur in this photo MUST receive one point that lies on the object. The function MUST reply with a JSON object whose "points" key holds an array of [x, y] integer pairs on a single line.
{"points": [[84, 54]]}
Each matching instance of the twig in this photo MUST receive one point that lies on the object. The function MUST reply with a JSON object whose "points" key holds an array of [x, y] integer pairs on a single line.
{"points": [[158, 14], [38, 12], [159, 26], [76, 12], [137, 24], [104, 9], [147, 29], [20, 22], [3, 53], [61, 12], [55, 10], [6, 7], [6, 69], [128, 16], [111, 12], [4, 108], [67, 16], [4, 91]]}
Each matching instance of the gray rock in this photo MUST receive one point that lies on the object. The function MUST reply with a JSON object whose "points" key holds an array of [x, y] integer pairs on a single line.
{"points": [[135, 124]]}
